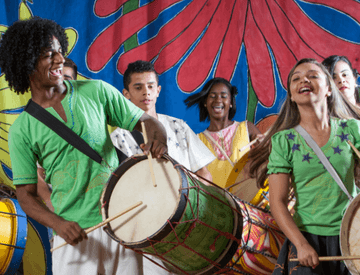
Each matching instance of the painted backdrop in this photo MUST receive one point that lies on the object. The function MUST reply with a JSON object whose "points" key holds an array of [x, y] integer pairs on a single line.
{"points": [[253, 43]]}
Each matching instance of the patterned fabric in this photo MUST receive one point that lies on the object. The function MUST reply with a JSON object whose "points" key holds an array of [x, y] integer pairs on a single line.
{"points": [[223, 139], [261, 243], [323, 245], [319, 200], [220, 169], [183, 145]]}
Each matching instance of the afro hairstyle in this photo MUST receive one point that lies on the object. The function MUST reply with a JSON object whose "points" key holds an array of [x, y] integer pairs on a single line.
{"points": [[21, 46]]}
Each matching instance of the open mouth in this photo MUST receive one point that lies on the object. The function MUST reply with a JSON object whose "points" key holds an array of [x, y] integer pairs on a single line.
{"points": [[305, 90], [57, 72]]}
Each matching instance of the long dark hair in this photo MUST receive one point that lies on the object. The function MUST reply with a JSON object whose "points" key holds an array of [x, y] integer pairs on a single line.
{"points": [[330, 63], [289, 117]]}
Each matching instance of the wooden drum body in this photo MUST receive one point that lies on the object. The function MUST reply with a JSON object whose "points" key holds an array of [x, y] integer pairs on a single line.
{"points": [[193, 228]]}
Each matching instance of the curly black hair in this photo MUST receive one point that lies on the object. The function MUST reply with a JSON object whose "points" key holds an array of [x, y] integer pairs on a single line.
{"points": [[201, 97], [22, 44], [138, 66]]}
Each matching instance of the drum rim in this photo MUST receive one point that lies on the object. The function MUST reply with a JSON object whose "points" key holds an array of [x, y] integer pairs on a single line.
{"points": [[166, 228], [344, 232]]}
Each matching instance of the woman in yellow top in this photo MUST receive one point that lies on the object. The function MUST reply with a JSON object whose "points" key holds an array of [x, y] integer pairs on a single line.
{"points": [[224, 137]]}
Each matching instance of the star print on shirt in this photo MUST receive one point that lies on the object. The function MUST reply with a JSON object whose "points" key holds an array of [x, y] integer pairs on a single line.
{"points": [[290, 136], [295, 147], [343, 136], [307, 157], [337, 150], [177, 144], [343, 125]]}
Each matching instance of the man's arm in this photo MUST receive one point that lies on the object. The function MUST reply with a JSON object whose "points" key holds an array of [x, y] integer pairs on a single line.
{"points": [[43, 190], [204, 172], [71, 232], [156, 136]]}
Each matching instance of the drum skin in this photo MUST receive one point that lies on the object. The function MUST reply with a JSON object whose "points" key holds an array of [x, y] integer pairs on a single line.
{"points": [[181, 221], [350, 235], [247, 190], [13, 234]]}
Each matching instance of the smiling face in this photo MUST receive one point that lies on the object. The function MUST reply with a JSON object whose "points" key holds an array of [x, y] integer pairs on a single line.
{"points": [[143, 91], [308, 84], [48, 70], [345, 80], [218, 102]]}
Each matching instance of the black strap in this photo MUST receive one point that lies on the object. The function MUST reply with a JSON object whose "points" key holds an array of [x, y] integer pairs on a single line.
{"points": [[62, 130], [139, 140]]}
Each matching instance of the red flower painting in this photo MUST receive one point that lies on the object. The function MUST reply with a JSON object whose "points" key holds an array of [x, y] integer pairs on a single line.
{"points": [[208, 35]]}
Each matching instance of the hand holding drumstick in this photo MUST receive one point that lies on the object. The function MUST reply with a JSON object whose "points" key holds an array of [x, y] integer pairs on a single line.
{"points": [[149, 155]]}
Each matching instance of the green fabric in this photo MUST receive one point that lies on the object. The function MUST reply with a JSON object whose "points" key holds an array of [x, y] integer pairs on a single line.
{"points": [[319, 200], [77, 180]]}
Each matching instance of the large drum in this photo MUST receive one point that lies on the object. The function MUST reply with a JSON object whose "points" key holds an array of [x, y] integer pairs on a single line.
{"points": [[24, 243], [193, 228], [245, 187], [350, 235], [13, 233]]}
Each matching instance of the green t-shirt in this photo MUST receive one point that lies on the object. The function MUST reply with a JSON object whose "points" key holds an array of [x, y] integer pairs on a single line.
{"points": [[319, 200], [77, 181]]}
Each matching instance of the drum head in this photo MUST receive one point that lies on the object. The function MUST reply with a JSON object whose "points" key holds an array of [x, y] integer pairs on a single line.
{"points": [[133, 183], [247, 187], [350, 235]]}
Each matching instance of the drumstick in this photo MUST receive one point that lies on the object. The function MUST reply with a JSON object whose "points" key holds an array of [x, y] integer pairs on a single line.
{"points": [[332, 258], [252, 142], [149, 155], [354, 148], [104, 222]]}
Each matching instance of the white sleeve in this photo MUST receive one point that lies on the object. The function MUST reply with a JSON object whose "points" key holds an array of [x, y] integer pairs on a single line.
{"points": [[199, 154]]}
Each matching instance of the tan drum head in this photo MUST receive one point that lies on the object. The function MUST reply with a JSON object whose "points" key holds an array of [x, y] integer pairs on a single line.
{"points": [[247, 187], [135, 184], [350, 235]]}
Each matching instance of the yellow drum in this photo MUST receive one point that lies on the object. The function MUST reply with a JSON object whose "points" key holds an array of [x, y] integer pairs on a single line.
{"points": [[13, 233], [245, 187]]}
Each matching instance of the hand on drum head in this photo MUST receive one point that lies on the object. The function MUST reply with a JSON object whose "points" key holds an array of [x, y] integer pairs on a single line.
{"points": [[307, 255], [71, 232]]}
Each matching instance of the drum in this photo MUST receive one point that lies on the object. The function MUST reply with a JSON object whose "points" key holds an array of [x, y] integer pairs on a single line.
{"points": [[13, 233], [261, 242], [350, 235], [193, 228], [246, 188]]}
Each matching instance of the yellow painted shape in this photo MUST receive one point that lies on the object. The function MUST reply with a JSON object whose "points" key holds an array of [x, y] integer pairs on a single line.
{"points": [[34, 262], [24, 11], [8, 233]]}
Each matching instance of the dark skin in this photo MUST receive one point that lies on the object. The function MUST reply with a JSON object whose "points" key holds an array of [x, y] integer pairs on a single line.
{"points": [[47, 90]]}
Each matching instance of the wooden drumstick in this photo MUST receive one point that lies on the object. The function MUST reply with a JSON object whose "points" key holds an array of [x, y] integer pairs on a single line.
{"points": [[332, 258], [354, 148], [149, 155], [252, 142], [87, 231]]}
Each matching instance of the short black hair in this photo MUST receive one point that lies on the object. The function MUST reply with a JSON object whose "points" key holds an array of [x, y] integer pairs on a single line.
{"points": [[21, 46], [201, 97], [71, 64], [138, 66], [330, 63]]}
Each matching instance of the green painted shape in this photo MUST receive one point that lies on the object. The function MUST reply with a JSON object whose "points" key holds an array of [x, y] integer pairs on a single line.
{"points": [[197, 236], [132, 42], [252, 102]]}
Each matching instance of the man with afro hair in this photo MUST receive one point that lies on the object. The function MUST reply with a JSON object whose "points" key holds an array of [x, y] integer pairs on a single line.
{"points": [[32, 58]]}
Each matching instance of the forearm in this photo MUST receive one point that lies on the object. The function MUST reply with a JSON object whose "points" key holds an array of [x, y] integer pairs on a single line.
{"points": [[37, 209]]}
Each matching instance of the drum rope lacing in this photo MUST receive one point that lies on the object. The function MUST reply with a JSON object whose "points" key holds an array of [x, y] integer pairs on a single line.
{"points": [[196, 221]]}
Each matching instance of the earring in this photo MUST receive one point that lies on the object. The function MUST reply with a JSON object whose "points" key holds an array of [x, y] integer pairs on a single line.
{"points": [[205, 105], [230, 106]]}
